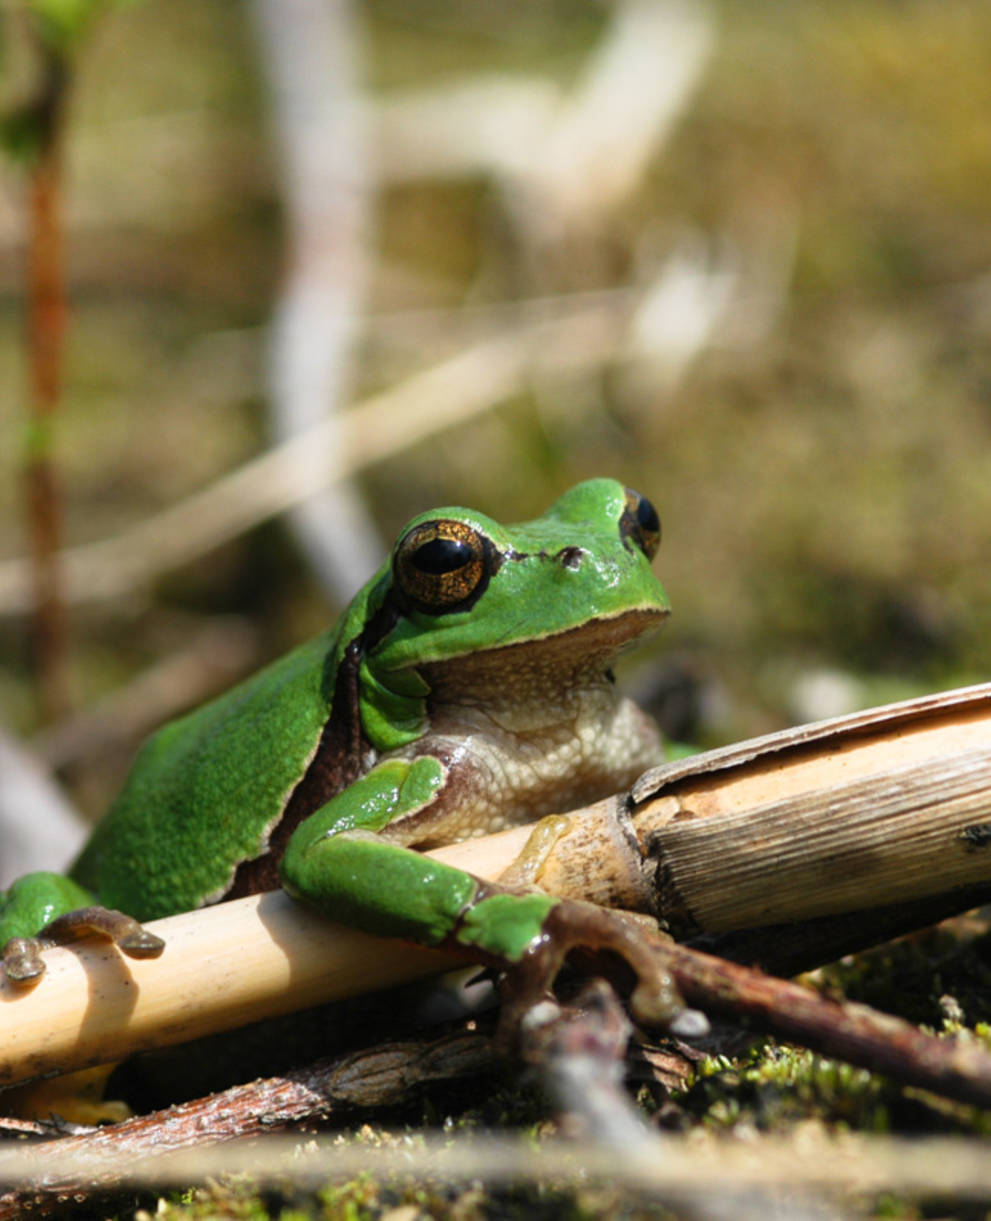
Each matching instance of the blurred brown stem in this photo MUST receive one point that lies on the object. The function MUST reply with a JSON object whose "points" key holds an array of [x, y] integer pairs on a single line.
{"points": [[46, 311]]}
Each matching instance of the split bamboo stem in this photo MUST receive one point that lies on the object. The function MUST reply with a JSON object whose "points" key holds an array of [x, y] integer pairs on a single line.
{"points": [[881, 816]]}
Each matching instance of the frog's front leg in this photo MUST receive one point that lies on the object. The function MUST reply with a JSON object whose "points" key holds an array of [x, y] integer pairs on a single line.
{"points": [[46, 909], [336, 863]]}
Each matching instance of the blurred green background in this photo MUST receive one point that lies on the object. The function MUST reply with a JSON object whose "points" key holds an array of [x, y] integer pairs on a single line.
{"points": [[806, 397]]}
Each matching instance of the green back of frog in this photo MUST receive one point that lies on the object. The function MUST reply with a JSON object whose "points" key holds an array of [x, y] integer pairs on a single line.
{"points": [[205, 789]]}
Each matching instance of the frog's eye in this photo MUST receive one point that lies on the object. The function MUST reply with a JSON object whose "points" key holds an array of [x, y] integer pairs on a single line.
{"points": [[641, 523], [442, 566]]}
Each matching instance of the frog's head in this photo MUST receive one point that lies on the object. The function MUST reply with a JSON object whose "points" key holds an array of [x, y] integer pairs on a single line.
{"points": [[571, 587]]}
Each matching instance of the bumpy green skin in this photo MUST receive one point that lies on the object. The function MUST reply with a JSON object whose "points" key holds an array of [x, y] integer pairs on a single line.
{"points": [[207, 789], [204, 788]]}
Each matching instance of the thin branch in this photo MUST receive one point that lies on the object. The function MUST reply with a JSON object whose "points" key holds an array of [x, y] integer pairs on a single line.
{"points": [[376, 1077], [952, 1067], [46, 312]]}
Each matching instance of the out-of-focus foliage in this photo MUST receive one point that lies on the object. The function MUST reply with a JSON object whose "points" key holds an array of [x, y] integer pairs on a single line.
{"points": [[822, 464], [63, 22], [55, 30]]}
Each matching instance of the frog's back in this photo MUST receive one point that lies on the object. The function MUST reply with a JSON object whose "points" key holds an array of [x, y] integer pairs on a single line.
{"points": [[205, 790]]}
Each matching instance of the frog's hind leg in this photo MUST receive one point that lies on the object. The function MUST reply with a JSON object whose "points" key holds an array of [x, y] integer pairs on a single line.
{"points": [[45, 909]]}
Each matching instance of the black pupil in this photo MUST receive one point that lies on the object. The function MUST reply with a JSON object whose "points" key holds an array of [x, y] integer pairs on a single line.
{"points": [[647, 517], [442, 555]]}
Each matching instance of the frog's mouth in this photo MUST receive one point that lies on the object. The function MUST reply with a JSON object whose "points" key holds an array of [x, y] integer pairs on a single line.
{"points": [[571, 657]]}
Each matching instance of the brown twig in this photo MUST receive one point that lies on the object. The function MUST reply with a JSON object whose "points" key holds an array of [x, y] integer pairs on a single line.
{"points": [[46, 311], [375, 1077], [854, 1033]]}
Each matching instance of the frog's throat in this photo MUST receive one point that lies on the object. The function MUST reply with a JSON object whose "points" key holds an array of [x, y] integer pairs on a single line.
{"points": [[560, 660]]}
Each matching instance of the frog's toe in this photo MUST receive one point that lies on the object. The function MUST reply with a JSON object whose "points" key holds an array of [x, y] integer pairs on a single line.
{"points": [[124, 931], [139, 943], [655, 1000], [22, 960]]}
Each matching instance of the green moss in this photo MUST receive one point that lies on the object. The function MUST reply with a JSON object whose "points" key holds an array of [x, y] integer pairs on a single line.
{"points": [[779, 1085], [911, 977]]}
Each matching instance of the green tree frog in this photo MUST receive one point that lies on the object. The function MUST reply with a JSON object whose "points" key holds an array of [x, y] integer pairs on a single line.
{"points": [[466, 689]]}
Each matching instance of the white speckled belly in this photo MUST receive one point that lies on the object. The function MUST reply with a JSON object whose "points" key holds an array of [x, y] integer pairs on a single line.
{"points": [[514, 763]]}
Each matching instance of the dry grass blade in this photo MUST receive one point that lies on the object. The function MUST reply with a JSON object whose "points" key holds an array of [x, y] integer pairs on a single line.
{"points": [[427, 402]]}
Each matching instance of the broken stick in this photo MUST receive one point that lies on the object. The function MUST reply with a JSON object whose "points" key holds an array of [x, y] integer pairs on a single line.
{"points": [[837, 828]]}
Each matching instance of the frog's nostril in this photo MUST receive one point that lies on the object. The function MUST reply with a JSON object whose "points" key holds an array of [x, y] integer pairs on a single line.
{"points": [[570, 557]]}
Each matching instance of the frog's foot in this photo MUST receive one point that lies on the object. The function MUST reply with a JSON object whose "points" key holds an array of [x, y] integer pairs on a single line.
{"points": [[74, 1098], [22, 958], [570, 924]]}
